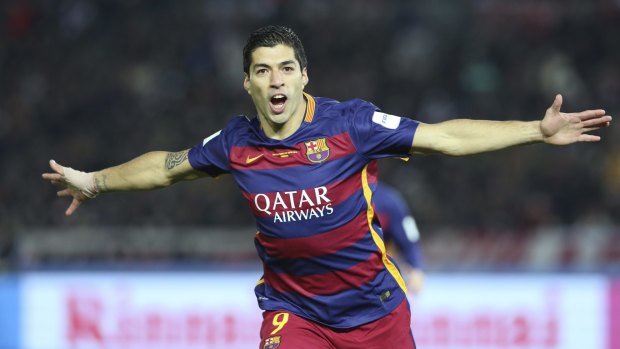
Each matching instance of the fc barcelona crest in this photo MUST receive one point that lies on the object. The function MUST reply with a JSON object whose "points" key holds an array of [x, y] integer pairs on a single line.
{"points": [[272, 342], [317, 150]]}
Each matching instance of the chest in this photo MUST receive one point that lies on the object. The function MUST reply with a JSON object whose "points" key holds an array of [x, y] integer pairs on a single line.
{"points": [[311, 162]]}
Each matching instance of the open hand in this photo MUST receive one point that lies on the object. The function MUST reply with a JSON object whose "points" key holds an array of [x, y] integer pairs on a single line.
{"points": [[76, 184], [565, 128]]}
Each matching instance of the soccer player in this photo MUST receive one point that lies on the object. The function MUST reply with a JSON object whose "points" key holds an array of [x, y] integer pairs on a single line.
{"points": [[308, 169], [400, 234]]}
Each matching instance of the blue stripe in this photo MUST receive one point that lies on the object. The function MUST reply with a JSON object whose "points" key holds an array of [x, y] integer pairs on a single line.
{"points": [[341, 260], [345, 309]]}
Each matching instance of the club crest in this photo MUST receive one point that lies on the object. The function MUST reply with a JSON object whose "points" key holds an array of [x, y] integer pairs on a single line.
{"points": [[272, 342], [317, 150]]}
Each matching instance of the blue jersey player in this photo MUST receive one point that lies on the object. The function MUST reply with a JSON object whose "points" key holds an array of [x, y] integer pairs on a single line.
{"points": [[308, 168], [400, 233]]}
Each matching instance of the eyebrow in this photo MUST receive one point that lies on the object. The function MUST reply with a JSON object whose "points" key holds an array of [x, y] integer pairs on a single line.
{"points": [[264, 65]]}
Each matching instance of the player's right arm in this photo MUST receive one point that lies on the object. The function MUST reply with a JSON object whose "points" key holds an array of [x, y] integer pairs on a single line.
{"points": [[153, 170]]}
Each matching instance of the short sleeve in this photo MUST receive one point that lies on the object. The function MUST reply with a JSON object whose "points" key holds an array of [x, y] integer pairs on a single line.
{"points": [[379, 135], [211, 155]]}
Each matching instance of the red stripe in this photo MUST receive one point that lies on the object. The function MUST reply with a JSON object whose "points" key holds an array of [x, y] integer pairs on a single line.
{"points": [[328, 283], [262, 158], [316, 245], [305, 199]]}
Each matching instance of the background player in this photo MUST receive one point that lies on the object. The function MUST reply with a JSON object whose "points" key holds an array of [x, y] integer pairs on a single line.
{"points": [[401, 234], [308, 169]]}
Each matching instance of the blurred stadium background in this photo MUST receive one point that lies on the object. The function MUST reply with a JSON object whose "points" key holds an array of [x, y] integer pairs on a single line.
{"points": [[522, 246]]}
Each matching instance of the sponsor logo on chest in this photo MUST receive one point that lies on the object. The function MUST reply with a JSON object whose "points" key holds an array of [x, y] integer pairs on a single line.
{"points": [[295, 205]]}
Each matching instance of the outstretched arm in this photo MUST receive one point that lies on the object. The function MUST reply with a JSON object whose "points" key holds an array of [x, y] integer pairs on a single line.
{"points": [[464, 136], [152, 170]]}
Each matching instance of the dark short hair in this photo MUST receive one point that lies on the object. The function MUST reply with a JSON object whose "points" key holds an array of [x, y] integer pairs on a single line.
{"points": [[271, 36]]}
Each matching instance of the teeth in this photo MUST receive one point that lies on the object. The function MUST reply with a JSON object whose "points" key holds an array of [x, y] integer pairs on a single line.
{"points": [[278, 99]]}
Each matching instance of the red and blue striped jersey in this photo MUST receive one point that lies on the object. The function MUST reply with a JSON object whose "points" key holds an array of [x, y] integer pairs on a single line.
{"points": [[318, 236]]}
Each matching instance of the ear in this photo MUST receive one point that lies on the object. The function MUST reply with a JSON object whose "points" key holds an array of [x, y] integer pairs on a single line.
{"points": [[304, 76], [246, 83]]}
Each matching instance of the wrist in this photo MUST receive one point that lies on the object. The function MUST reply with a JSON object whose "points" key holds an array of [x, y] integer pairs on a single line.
{"points": [[538, 133], [85, 182]]}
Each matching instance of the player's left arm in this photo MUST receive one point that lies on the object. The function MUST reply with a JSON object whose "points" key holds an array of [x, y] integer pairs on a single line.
{"points": [[465, 136]]}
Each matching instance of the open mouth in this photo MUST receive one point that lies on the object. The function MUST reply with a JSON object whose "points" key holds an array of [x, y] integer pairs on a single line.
{"points": [[277, 103]]}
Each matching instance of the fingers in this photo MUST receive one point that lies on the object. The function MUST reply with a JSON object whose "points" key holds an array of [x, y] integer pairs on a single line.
{"points": [[597, 123], [63, 193], [588, 138], [56, 167], [590, 114], [590, 129], [74, 205], [57, 176], [592, 125], [53, 177]]}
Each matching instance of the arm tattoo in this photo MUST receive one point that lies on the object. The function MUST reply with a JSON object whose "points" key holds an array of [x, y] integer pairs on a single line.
{"points": [[175, 159]]}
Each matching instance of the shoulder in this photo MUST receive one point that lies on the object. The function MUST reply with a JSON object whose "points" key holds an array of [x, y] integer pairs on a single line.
{"points": [[344, 111], [238, 127], [352, 105], [239, 122]]}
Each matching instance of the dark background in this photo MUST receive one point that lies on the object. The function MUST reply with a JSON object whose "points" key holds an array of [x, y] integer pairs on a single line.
{"points": [[95, 83]]}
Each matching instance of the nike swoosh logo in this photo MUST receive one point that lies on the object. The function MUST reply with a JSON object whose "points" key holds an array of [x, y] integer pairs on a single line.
{"points": [[249, 160]]}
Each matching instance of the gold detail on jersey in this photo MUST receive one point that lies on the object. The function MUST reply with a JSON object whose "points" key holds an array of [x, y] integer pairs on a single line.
{"points": [[279, 320], [249, 160], [370, 214], [309, 108], [285, 154]]}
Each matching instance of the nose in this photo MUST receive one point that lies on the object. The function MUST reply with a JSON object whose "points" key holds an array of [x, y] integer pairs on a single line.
{"points": [[277, 79]]}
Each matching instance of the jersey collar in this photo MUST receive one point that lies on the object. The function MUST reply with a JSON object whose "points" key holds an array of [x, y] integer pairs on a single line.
{"points": [[309, 108]]}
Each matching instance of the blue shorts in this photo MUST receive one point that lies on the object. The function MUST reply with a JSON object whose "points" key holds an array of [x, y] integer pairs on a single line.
{"points": [[285, 330]]}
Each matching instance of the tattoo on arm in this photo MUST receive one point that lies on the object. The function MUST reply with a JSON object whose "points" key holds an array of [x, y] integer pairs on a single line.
{"points": [[175, 159]]}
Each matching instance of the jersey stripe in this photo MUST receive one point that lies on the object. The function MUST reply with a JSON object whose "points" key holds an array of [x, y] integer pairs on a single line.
{"points": [[267, 204], [344, 259], [309, 108], [298, 177], [267, 158], [378, 240], [315, 245], [328, 283], [338, 305]]}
